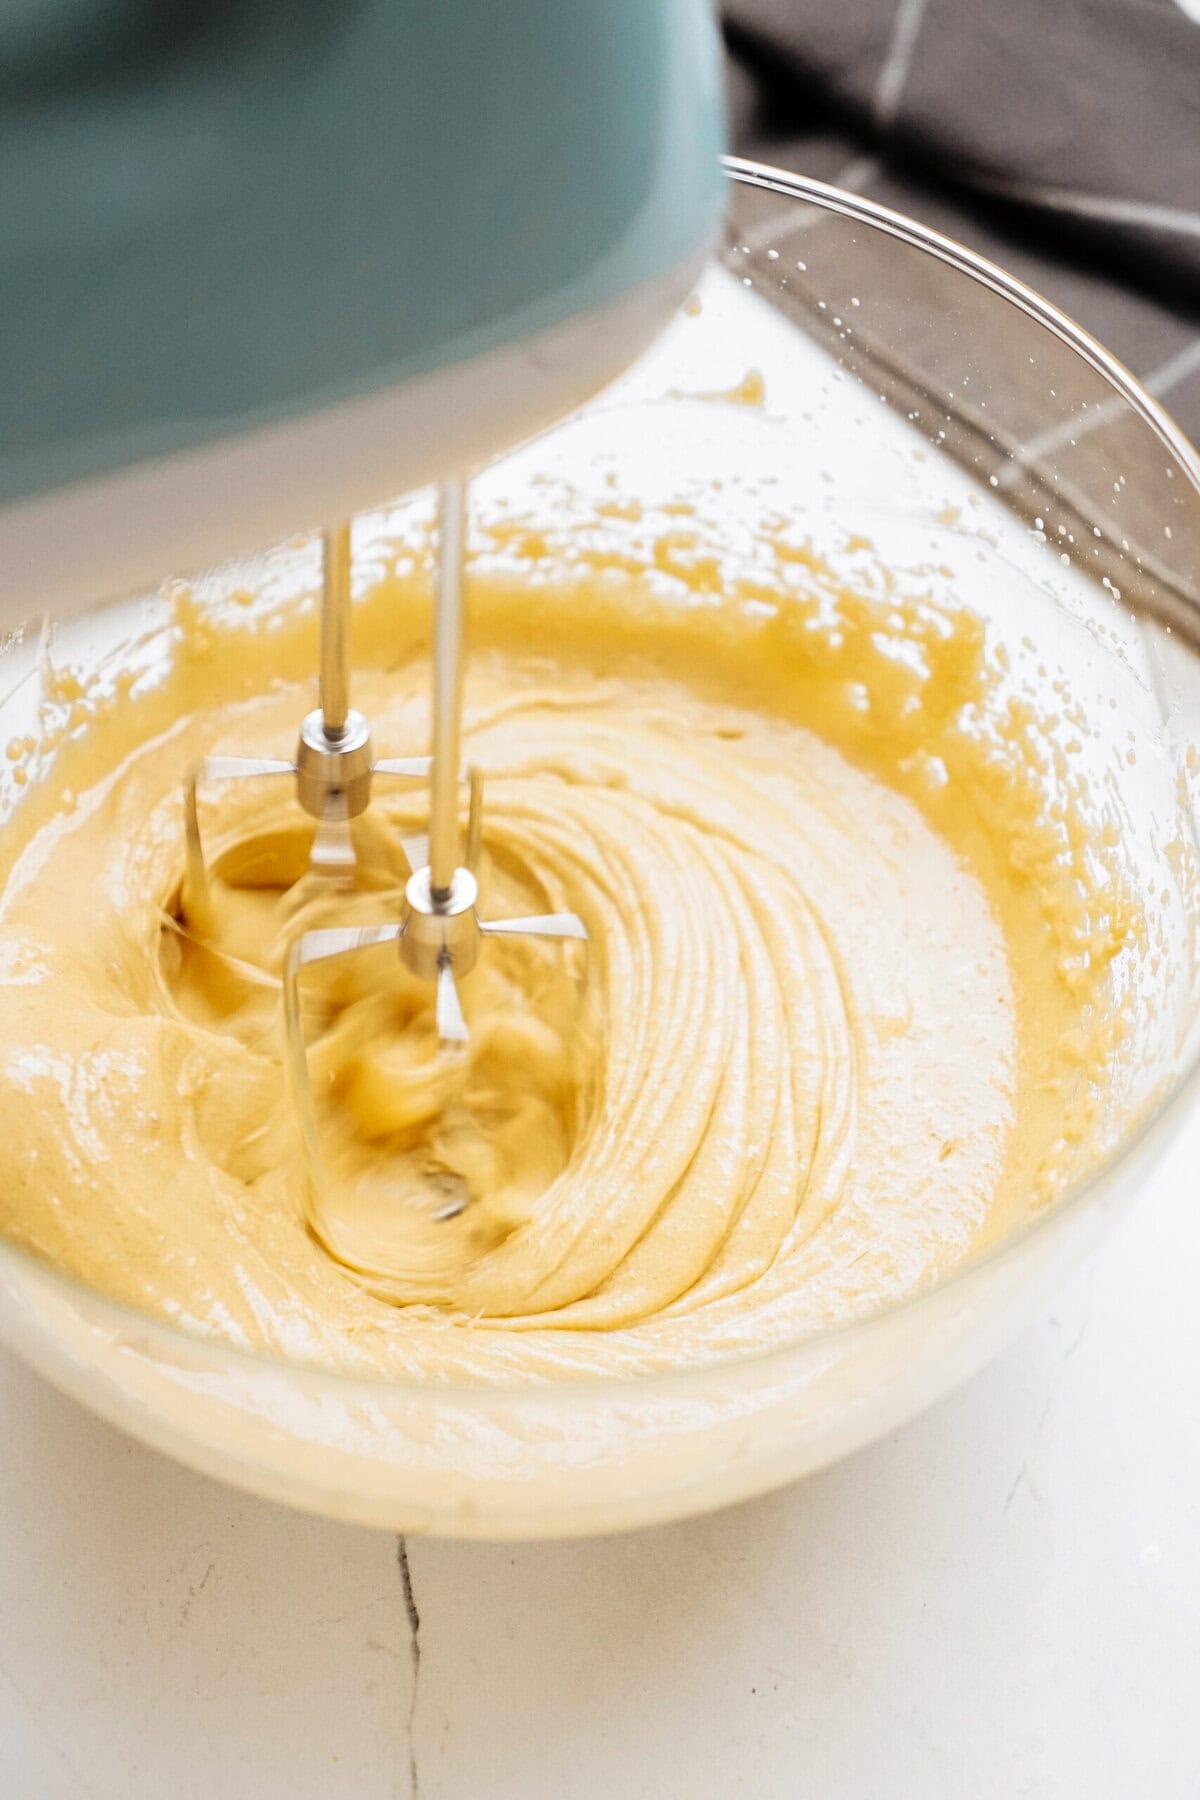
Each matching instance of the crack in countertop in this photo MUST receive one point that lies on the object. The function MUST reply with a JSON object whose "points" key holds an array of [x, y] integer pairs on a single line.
{"points": [[414, 1652]]}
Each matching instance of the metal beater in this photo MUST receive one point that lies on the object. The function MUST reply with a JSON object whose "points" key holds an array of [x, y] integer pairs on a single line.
{"points": [[334, 765], [439, 931]]}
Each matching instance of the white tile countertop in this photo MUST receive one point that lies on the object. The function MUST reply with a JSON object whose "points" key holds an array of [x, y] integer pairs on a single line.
{"points": [[1001, 1600]]}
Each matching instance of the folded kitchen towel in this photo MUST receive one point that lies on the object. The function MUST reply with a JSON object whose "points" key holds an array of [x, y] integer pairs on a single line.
{"points": [[1061, 138]]}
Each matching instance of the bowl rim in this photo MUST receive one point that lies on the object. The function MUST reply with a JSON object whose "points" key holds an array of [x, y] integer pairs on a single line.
{"points": [[1154, 1130], [989, 274]]}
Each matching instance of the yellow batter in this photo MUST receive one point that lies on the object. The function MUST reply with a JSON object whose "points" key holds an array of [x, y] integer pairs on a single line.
{"points": [[845, 1012]]}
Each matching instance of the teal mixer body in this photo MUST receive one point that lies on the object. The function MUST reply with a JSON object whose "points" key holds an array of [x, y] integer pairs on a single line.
{"points": [[261, 263]]}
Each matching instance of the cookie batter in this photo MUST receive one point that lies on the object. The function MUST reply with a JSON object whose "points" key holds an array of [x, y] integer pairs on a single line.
{"points": [[845, 1013]]}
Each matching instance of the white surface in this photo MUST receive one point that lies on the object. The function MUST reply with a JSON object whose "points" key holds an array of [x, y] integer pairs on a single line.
{"points": [[1003, 1600]]}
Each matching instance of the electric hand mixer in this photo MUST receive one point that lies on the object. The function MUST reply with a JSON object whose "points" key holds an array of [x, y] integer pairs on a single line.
{"points": [[281, 263]]}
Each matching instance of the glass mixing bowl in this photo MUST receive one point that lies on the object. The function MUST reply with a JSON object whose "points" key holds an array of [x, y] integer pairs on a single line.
{"points": [[851, 373]]}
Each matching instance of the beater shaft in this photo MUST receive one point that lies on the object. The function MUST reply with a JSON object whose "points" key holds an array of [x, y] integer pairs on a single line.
{"points": [[335, 631], [447, 689]]}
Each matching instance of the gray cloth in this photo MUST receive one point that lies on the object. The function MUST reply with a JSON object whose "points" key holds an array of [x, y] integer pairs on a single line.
{"points": [[1061, 138]]}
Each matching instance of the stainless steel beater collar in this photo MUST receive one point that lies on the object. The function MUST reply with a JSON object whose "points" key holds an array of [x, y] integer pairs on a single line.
{"points": [[330, 765], [443, 930]]}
